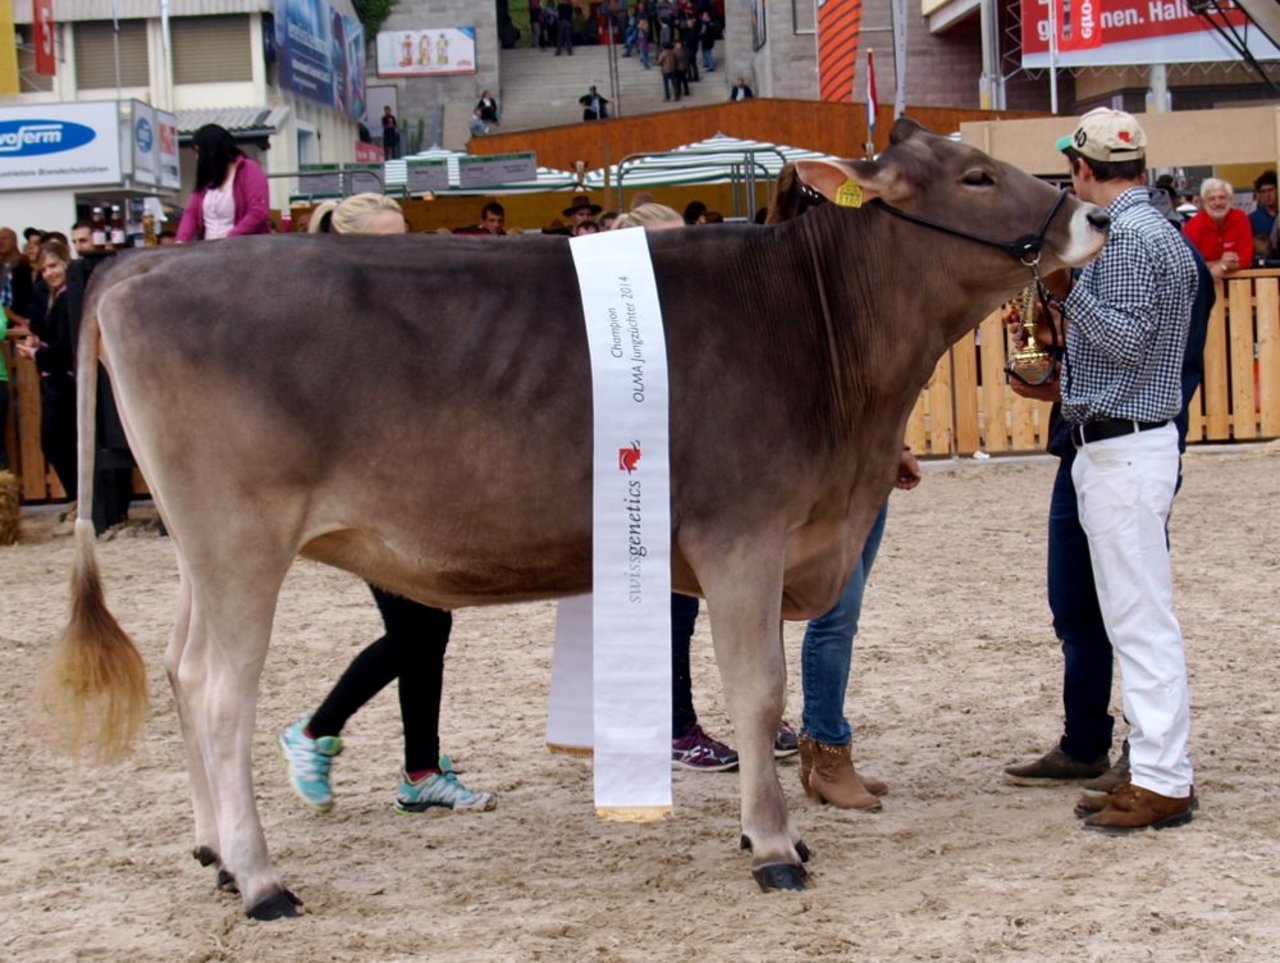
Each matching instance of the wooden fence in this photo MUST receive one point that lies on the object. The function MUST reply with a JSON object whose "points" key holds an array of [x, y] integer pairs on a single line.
{"points": [[965, 408]]}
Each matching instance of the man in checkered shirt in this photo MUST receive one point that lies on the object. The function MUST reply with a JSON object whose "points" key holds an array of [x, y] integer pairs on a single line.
{"points": [[1126, 328]]}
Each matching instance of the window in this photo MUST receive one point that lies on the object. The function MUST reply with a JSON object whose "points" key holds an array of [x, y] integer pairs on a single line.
{"points": [[211, 49], [28, 80], [95, 54], [804, 16]]}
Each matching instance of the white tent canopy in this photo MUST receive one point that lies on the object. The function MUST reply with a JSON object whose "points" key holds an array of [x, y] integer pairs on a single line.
{"points": [[717, 160], [548, 179]]}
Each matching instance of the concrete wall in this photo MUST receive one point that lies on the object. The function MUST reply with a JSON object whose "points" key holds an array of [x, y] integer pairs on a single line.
{"points": [[423, 98], [942, 70]]}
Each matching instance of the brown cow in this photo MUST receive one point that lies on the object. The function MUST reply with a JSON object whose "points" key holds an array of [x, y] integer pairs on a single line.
{"points": [[434, 437]]}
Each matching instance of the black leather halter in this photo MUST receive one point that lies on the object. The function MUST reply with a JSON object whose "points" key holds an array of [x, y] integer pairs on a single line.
{"points": [[1026, 248]]}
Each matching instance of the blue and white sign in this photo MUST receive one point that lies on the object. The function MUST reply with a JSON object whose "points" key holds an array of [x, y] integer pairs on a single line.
{"points": [[59, 145], [144, 143]]}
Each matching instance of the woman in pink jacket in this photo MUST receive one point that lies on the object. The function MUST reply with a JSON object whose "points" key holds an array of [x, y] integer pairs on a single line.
{"points": [[230, 198]]}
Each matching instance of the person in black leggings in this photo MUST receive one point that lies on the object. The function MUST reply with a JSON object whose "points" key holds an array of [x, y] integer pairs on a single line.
{"points": [[411, 650]]}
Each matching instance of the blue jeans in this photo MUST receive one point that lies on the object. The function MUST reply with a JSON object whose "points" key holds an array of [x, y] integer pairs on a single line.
{"points": [[1077, 621], [708, 59], [828, 651]]}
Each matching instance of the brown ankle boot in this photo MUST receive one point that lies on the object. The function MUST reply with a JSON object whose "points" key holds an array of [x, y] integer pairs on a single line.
{"points": [[831, 777]]}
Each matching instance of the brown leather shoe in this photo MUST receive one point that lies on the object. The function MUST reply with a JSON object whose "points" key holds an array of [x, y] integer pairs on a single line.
{"points": [[828, 776], [1130, 808], [1090, 803], [1055, 768], [1117, 774]]}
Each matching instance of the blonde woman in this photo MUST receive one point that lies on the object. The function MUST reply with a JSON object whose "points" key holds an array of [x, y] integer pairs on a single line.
{"points": [[411, 650]]}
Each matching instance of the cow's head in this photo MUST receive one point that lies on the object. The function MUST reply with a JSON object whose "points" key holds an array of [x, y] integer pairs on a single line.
{"points": [[952, 186]]}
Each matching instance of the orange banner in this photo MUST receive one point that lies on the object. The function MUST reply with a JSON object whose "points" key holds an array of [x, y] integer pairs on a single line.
{"points": [[839, 24]]}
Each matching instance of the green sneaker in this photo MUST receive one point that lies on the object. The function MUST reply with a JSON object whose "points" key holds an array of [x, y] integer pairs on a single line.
{"points": [[440, 789], [309, 761]]}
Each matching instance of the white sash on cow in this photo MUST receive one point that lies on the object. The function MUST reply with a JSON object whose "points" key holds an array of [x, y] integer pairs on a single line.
{"points": [[630, 654]]}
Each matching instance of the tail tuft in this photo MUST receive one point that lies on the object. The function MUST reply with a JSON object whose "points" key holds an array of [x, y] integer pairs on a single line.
{"points": [[94, 691]]}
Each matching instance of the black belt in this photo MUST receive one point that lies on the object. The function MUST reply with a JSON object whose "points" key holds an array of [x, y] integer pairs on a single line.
{"points": [[1105, 428]]}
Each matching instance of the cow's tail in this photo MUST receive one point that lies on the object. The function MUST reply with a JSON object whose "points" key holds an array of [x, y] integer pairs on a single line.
{"points": [[94, 690]]}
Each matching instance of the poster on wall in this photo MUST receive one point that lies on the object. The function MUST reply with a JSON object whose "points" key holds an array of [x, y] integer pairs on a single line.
{"points": [[438, 52], [320, 52], [169, 167], [1091, 33]]}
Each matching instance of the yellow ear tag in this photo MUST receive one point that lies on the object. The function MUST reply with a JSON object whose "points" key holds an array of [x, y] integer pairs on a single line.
{"points": [[849, 194]]}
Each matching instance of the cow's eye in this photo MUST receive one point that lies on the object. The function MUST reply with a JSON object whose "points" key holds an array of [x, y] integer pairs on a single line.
{"points": [[977, 178]]}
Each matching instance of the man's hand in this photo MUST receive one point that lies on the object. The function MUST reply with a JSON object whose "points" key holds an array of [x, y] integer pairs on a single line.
{"points": [[908, 471], [1049, 391]]}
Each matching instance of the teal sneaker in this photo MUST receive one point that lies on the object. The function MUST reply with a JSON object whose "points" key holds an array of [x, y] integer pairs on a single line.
{"points": [[309, 761], [441, 789]]}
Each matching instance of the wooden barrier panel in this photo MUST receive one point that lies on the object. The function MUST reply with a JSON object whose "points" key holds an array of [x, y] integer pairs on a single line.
{"points": [[1268, 306]]}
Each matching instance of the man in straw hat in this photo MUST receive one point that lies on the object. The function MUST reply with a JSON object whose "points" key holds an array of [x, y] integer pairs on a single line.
{"points": [[1126, 322], [581, 210]]}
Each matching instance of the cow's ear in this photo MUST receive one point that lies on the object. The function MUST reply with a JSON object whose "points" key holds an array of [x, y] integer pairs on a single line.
{"points": [[829, 177]]}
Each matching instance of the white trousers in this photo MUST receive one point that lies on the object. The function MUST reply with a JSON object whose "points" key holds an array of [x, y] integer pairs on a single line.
{"points": [[1125, 488]]}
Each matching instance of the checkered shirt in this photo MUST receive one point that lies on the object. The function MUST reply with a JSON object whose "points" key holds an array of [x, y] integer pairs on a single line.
{"points": [[1127, 320]]}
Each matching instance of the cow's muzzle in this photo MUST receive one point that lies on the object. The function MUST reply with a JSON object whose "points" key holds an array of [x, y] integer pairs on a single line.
{"points": [[1099, 219]]}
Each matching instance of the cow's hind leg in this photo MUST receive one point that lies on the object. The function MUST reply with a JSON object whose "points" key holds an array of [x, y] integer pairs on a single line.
{"points": [[743, 587], [206, 822], [232, 606]]}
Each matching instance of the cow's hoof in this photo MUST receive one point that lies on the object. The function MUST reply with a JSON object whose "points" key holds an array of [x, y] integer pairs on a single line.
{"points": [[780, 876], [204, 855], [227, 883], [801, 849], [280, 905]]}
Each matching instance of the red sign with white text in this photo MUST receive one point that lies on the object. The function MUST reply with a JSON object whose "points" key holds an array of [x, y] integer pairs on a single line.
{"points": [[42, 18], [1119, 32], [369, 153]]}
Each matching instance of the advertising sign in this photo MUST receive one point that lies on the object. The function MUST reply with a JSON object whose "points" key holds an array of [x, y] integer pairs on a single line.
{"points": [[320, 53], [146, 148], [426, 177], [496, 169], [1121, 32], [320, 179], [168, 166], [59, 145], [427, 53], [42, 16]]}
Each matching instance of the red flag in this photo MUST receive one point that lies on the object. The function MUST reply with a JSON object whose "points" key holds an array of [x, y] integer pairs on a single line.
{"points": [[872, 103], [42, 16]]}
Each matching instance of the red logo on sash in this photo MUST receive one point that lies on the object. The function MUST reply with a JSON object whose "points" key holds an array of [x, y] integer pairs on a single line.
{"points": [[629, 458]]}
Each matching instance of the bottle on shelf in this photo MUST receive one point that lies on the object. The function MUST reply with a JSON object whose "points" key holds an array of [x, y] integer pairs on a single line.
{"points": [[117, 226], [98, 228]]}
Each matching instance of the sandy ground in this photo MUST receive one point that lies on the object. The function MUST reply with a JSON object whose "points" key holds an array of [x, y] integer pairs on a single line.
{"points": [[956, 675]]}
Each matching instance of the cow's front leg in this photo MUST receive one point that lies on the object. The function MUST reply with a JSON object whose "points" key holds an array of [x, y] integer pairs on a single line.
{"points": [[744, 596]]}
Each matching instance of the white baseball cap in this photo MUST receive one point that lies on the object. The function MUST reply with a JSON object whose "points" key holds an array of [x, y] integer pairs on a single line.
{"points": [[1106, 135]]}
